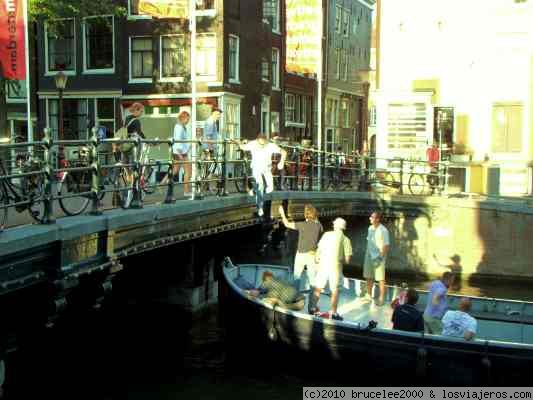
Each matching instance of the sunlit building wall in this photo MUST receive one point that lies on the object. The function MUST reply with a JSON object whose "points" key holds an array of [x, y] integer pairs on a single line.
{"points": [[470, 61]]}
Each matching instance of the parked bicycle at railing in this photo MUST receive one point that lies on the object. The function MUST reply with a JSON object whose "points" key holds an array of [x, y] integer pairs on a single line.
{"points": [[242, 171], [137, 177], [74, 186], [23, 191], [209, 171]]}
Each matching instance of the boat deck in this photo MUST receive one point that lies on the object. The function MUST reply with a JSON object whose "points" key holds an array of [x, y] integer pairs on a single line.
{"points": [[501, 326]]}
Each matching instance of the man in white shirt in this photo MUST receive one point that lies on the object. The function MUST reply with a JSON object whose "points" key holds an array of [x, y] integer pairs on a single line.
{"points": [[262, 151], [459, 323], [377, 247], [334, 250]]}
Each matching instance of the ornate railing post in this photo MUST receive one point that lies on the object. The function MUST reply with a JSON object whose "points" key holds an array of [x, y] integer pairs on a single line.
{"points": [[222, 182], [95, 174], [197, 175], [401, 175], [297, 169], [169, 198], [136, 201], [49, 173]]}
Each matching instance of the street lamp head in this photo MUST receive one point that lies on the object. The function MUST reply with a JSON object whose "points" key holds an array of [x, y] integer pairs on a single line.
{"points": [[60, 80]]}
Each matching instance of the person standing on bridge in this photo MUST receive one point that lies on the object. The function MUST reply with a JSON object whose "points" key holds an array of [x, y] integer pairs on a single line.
{"points": [[181, 152], [262, 151], [309, 232], [377, 248]]}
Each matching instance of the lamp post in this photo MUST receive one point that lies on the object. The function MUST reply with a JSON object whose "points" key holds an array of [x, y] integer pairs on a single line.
{"points": [[61, 82]]}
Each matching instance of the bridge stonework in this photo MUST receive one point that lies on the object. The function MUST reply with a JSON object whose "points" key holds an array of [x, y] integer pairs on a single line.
{"points": [[428, 234]]}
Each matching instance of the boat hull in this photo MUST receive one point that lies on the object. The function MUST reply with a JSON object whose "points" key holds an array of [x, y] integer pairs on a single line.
{"points": [[404, 358]]}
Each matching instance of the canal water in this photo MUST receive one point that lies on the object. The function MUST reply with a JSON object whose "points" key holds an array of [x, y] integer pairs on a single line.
{"points": [[138, 346]]}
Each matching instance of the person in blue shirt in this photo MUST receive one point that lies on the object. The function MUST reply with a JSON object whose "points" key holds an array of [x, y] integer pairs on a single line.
{"points": [[181, 152], [211, 131]]}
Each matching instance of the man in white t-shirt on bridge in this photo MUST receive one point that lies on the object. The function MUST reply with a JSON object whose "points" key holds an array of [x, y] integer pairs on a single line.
{"points": [[262, 151]]}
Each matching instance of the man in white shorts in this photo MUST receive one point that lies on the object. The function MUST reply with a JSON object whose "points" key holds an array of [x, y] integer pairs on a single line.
{"points": [[378, 244], [334, 249], [262, 151]]}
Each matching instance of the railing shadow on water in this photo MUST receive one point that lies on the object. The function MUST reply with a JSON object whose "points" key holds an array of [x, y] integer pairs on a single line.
{"points": [[76, 175]]}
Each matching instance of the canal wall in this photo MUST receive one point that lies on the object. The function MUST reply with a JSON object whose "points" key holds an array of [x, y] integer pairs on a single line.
{"points": [[473, 237]]}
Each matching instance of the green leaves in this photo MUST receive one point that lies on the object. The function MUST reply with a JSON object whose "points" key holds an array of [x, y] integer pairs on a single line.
{"points": [[41, 10]]}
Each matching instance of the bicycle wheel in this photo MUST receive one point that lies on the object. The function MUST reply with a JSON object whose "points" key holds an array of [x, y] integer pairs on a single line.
{"points": [[417, 184], [4, 201], [72, 184], [347, 179], [35, 196], [123, 189]]}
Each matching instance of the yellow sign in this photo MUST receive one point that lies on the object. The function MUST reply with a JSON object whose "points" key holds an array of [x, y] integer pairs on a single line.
{"points": [[303, 35], [164, 8]]}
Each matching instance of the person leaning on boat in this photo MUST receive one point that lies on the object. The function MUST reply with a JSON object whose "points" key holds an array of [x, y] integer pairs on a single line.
{"points": [[278, 292], [406, 317], [309, 232], [333, 250], [459, 323], [437, 303], [378, 244]]}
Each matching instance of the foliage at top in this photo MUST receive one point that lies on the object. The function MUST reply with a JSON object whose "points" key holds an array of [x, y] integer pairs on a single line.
{"points": [[48, 10]]}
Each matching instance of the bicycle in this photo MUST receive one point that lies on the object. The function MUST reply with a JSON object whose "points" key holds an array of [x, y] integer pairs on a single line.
{"points": [[74, 187], [28, 194], [420, 182], [242, 172], [209, 171], [128, 179]]}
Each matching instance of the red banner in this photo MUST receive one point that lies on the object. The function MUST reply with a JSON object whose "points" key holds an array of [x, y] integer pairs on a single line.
{"points": [[12, 39]]}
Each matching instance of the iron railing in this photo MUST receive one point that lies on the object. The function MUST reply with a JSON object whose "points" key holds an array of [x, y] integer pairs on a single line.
{"points": [[47, 175]]}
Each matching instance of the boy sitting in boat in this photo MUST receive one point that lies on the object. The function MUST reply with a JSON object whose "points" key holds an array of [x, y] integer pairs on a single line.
{"points": [[278, 292], [406, 317], [459, 323]]}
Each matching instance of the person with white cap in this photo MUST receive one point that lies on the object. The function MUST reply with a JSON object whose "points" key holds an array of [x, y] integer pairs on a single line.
{"points": [[334, 249]]}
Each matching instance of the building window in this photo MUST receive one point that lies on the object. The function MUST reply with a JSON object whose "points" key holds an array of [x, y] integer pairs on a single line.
{"points": [[372, 116], [290, 108], [98, 43], [15, 91], [274, 122], [74, 118], [507, 128], [206, 56], [142, 58], [204, 5], [174, 57], [345, 64], [232, 118], [233, 58], [275, 68], [265, 115], [265, 73], [346, 23], [60, 47], [345, 111], [330, 140], [271, 14], [105, 115], [338, 19], [332, 112], [338, 62]]}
